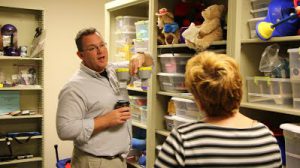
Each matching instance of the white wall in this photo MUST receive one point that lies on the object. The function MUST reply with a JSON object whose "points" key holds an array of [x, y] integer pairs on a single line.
{"points": [[63, 19]]}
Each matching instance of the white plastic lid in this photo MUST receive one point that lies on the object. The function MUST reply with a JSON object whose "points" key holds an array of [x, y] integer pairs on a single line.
{"points": [[141, 22], [293, 50], [293, 127], [175, 55], [182, 100], [171, 74], [131, 17], [181, 119]]}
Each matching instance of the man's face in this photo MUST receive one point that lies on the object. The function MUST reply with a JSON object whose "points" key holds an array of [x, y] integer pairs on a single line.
{"points": [[94, 54]]}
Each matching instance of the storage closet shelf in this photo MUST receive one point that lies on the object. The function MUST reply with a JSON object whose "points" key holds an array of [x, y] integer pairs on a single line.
{"points": [[274, 39], [34, 87], [139, 124], [222, 42], [279, 109], [5, 117], [163, 132], [16, 161], [181, 95], [18, 58], [24, 138]]}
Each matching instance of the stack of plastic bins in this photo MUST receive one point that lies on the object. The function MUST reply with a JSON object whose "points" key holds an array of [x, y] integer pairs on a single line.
{"points": [[142, 36], [138, 108], [172, 66], [271, 91], [295, 75], [259, 12], [186, 108], [124, 36], [291, 134]]}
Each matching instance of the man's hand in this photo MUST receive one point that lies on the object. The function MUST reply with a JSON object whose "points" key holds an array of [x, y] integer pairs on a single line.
{"points": [[139, 60], [116, 117]]}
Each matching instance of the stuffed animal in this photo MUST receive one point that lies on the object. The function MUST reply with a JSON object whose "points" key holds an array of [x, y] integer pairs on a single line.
{"points": [[191, 35], [201, 37], [170, 29]]}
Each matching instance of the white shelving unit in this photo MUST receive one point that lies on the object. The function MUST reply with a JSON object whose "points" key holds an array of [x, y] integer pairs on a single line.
{"points": [[31, 96], [238, 44]]}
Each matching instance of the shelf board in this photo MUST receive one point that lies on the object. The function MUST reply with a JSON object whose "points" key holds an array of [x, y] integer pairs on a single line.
{"points": [[278, 109], [163, 132], [136, 89], [23, 87], [134, 164], [24, 138], [5, 117], [139, 124], [16, 161], [181, 95], [18, 58], [222, 42], [274, 39]]}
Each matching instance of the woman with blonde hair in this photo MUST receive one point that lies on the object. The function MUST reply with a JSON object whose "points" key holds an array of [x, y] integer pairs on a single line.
{"points": [[225, 137]]}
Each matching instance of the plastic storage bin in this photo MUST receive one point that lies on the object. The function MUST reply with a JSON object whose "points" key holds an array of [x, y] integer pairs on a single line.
{"points": [[296, 103], [291, 134], [294, 63], [186, 108], [173, 63], [135, 113], [141, 29], [296, 88], [262, 12], [126, 23], [138, 100], [176, 121], [269, 90], [125, 37], [252, 26], [258, 4], [141, 45], [143, 110], [172, 82]]}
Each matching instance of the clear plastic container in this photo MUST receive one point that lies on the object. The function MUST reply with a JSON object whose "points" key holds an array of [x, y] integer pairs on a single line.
{"points": [[141, 45], [143, 110], [296, 88], [294, 63], [186, 108], [174, 63], [138, 100], [291, 132], [261, 12], [296, 103], [258, 4], [125, 37], [252, 26], [135, 113], [126, 23], [172, 82], [141, 29], [176, 121], [269, 90]]}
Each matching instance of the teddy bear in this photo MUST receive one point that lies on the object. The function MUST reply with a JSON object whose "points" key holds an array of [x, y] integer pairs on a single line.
{"points": [[201, 37], [170, 29]]}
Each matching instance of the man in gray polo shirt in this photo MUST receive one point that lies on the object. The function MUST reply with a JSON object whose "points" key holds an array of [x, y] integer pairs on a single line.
{"points": [[86, 114]]}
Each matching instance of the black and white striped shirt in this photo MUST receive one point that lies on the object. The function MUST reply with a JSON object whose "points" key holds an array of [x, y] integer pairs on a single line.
{"points": [[204, 145]]}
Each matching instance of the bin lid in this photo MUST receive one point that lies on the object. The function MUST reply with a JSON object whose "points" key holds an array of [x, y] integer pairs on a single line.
{"points": [[182, 100], [292, 127], [175, 55], [293, 50]]}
